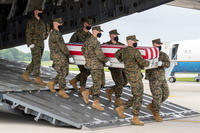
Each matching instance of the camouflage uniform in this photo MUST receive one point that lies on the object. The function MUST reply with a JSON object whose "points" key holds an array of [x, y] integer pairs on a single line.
{"points": [[118, 76], [36, 33], [95, 60], [81, 36], [133, 62], [60, 56], [158, 83]]}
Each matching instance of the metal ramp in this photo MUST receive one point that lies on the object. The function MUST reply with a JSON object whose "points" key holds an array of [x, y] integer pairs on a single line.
{"points": [[73, 112]]}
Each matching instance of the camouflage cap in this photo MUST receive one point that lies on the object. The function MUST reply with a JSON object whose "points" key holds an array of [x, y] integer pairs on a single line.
{"points": [[37, 8], [114, 32], [59, 20], [132, 37], [89, 21], [157, 41], [98, 28]]}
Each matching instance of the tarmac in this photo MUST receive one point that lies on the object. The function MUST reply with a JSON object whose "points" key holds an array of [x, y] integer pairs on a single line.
{"points": [[186, 94]]}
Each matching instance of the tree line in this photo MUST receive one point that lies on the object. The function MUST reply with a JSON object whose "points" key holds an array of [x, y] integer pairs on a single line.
{"points": [[14, 54]]}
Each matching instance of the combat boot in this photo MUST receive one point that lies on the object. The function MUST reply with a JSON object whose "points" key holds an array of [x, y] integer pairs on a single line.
{"points": [[39, 81], [118, 101], [120, 111], [51, 86], [136, 121], [25, 76], [157, 117], [63, 94], [86, 95], [97, 105], [82, 89], [150, 108], [109, 94], [73, 82]]}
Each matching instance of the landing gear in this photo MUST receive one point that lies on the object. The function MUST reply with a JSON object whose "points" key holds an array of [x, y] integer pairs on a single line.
{"points": [[172, 79]]}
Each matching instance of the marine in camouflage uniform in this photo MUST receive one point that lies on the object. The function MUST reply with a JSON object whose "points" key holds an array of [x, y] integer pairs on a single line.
{"points": [[80, 36], [36, 33], [118, 74], [133, 62], [95, 60], [158, 83], [59, 53]]}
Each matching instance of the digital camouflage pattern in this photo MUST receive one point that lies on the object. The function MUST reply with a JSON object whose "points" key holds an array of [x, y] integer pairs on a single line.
{"points": [[36, 33], [133, 62], [60, 55], [158, 83], [95, 60], [81, 36], [118, 74]]}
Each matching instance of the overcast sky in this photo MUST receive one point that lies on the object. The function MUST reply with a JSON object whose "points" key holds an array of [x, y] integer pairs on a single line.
{"points": [[166, 22]]}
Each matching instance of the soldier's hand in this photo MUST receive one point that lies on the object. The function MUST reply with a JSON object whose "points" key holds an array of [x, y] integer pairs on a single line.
{"points": [[108, 63], [71, 60], [159, 63], [32, 46]]}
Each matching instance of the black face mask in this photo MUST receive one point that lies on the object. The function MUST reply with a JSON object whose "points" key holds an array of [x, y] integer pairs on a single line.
{"points": [[88, 27], [160, 48], [116, 38], [40, 15], [135, 45], [99, 35], [60, 27]]}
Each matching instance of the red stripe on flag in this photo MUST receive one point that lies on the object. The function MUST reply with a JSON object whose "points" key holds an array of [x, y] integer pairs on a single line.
{"points": [[151, 53], [156, 49], [76, 53]]}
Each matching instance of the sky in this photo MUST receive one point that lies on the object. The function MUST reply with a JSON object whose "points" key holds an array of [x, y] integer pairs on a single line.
{"points": [[169, 23]]}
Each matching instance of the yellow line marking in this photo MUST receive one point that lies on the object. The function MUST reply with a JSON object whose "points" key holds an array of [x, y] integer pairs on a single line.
{"points": [[192, 121]]}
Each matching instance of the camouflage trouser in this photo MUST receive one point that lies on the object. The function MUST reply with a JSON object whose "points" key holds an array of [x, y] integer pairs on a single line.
{"points": [[35, 64], [160, 92], [98, 78], [137, 91], [62, 69], [119, 78], [82, 76]]}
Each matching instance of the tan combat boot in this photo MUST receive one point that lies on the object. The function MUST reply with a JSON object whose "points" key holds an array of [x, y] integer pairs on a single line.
{"points": [[39, 81], [157, 117], [51, 86], [109, 94], [63, 94], [118, 101], [25, 76], [82, 89], [120, 111], [73, 83], [150, 108], [86, 95], [136, 121], [97, 105]]}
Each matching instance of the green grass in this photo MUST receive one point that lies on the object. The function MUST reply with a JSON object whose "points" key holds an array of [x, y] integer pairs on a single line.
{"points": [[186, 79]]}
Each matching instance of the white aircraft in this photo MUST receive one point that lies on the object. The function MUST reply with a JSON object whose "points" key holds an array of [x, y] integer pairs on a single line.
{"points": [[185, 58]]}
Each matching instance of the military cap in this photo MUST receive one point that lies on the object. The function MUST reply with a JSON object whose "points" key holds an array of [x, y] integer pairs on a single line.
{"points": [[132, 37], [98, 28], [59, 20], [114, 32], [157, 41], [89, 21], [37, 8]]}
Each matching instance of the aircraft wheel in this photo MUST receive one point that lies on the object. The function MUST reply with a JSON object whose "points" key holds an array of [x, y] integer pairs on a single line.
{"points": [[172, 79]]}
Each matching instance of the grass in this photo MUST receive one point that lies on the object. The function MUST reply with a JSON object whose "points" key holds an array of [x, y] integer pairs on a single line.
{"points": [[186, 79]]}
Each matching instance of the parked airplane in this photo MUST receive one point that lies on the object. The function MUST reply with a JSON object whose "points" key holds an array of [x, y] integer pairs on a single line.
{"points": [[185, 58]]}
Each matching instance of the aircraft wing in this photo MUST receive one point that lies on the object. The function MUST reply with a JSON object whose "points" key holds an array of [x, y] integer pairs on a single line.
{"points": [[192, 4]]}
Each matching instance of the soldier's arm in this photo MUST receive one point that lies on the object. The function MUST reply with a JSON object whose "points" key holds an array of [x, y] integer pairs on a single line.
{"points": [[165, 61], [118, 55], [140, 60], [99, 53], [63, 47], [29, 33], [74, 38]]}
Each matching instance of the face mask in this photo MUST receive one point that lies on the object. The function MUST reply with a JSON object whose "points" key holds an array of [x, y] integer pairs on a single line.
{"points": [[159, 47], [40, 15], [88, 27], [135, 45], [60, 27], [99, 35], [116, 38]]}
